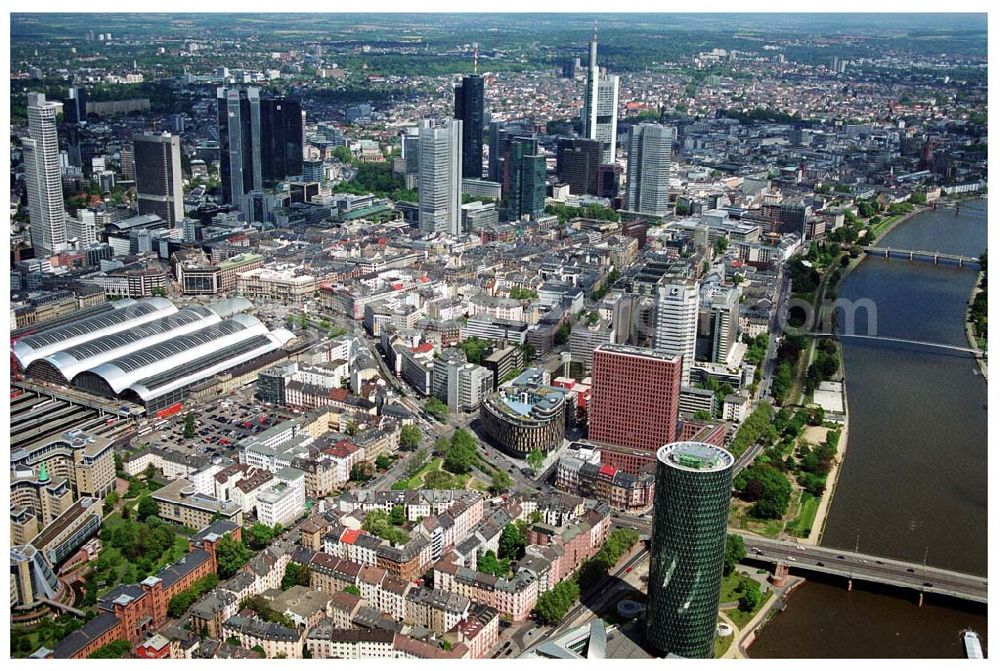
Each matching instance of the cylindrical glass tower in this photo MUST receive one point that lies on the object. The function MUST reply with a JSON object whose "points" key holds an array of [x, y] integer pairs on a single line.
{"points": [[690, 513]]}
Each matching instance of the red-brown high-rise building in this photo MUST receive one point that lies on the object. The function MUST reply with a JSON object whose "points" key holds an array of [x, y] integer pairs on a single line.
{"points": [[634, 397]]}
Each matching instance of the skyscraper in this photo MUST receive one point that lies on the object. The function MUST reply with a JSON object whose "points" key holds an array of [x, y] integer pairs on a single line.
{"points": [[75, 106], [650, 166], [239, 142], [440, 178], [260, 140], [687, 547], [676, 327], [280, 140], [497, 144], [577, 163], [634, 397], [469, 110], [600, 106], [158, 183], [523, 183], [43, 176]]}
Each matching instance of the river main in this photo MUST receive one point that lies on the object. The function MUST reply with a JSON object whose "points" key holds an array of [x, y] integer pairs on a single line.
{"points": [[914, 479]]}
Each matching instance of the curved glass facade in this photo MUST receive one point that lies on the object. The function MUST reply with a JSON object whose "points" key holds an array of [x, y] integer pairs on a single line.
{"points": [[690, 512]]}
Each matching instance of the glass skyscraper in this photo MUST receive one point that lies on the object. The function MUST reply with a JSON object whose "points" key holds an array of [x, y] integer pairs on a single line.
{"points": [[469, 110], [690, 512]]}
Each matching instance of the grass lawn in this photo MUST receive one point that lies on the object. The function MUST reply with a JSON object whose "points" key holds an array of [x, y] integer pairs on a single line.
{"points": [[433, 476], [722, 644], [801, 526], [729, 583], [740, 519], [740, 618]]}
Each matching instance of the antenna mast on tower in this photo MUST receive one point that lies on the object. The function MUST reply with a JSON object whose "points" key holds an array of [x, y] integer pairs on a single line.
{"points": [[475, 58]]}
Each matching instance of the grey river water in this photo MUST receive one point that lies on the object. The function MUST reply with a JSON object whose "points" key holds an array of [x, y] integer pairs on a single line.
{"points": [[914, 480]]}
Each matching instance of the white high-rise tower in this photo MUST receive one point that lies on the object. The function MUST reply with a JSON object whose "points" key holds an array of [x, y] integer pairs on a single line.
{"points": [[43, 176], [676, 329], [441, 177], [600, 106]]}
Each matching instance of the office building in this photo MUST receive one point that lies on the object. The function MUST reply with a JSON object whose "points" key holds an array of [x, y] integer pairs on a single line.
{"points": [[469, 110], [688, 543], [239, 142], [43, 177], [260, 141], [650, 166], [724, 316], [75, 106], [634, 397], [281, 122], [158, 181], [675, 330], [600, 107], [523, 179], [577, 163], [441, 178]]}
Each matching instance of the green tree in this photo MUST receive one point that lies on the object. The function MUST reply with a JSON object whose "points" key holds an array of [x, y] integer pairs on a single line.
{"points": [[562, 334], [512, 542], [353, 589], [535, 459], [767, 487], [489, 563], [362, 471], [409, 437], [501, 482], [231, 556], [735, 552], [147, 507], [436, 408], [189, 425], [751, 596], [115, 650], [552, 606], [343, 154], [475, 349], [383, 461], [462, 452], [258, 536], [295, 574], [397, 516]]}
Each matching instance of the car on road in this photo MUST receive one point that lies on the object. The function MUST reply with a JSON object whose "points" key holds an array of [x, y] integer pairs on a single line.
{"points": [[790, 558], [880, 563], [756, 551], [864, 561], [799, 547], [840, 556], [927, 584], [910, 570], [819, 563]]}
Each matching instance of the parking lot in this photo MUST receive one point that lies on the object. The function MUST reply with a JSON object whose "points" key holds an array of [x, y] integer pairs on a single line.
{"points": [[219, 426]]}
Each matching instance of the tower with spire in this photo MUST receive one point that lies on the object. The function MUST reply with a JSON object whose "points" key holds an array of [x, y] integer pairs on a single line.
{"points": [[600, 106], [469, 100]]}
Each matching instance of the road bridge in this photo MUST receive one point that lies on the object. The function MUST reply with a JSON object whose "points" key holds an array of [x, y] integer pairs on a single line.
{"points": [[850, 565]]}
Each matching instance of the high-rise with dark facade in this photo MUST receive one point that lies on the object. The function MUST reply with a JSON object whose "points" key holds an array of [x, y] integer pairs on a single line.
{"points": [[239, 142], [469, 110], [523, 183], [280, 140], [260, 141], [75, 106], [577, 163], [687, 547], [158, 183], [634, 397]]}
